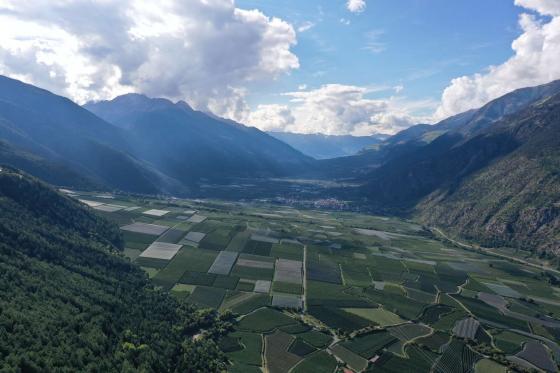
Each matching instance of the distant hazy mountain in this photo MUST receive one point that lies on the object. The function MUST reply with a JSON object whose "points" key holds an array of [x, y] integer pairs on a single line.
{"points": [[321, 146], [190, 145]]}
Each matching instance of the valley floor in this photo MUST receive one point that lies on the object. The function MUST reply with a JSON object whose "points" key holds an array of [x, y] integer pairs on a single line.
{"points": [[316, 291]]}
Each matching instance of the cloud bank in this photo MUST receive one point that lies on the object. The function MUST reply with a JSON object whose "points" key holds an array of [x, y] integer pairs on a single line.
{"points": [[536, 60], [203, 51], [337, 109]]}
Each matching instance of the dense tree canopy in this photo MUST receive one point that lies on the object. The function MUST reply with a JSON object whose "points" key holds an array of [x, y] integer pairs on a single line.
{"points": [[69, 301]]}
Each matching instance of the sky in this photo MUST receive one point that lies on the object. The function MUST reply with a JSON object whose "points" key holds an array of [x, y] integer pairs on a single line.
{"points": [[356, 67]]}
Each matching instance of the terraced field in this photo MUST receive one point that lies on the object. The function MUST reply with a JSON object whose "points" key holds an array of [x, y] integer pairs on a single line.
{"points": [[317, 291]]}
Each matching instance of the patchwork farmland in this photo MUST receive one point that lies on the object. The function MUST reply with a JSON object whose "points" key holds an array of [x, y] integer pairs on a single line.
{"points": [[316, 291]]}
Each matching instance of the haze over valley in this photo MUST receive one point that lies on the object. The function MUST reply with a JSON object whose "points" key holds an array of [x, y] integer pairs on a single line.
{"points": [[242, 186]]}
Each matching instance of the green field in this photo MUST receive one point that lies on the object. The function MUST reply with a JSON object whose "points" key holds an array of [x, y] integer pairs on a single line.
{"points": [[378, 315], [249, 348], [265, 320], [319, 362], [383, 286], [368, 345]]}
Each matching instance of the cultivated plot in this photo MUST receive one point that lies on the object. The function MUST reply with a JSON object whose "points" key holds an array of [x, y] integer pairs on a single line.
{"points": [[538, 355], [145, 228], [109, 207], [290, 271], [195, 237], [466, 328], [251, 263], [396, 300], [156, 212], [90, 203], [161, 250], [262, 238], [196, 219], [262, 286], [224, 263], [287, 301]]}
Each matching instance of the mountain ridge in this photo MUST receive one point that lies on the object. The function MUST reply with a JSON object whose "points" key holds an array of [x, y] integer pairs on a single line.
{"points": [[321, 146]]}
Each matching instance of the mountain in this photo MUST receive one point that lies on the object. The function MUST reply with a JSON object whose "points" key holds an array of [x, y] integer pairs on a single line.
{"points": [[72, 302], [398, 145], [489, 174], [192, 146], [515, 200], [39, 128], [142, 145], [321, 146]]}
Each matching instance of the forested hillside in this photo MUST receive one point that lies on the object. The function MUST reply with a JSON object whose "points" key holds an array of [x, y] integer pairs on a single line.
{"points": [[70, 302]]}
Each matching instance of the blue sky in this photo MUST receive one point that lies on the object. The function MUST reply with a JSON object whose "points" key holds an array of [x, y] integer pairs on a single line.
{"points": [[419, 44], [309, 66]]}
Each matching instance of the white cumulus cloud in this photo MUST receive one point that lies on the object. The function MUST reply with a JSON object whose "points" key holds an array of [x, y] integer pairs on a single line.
{"points": [[337, 109], [203, 51], [356, 6], [536, 60]]}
